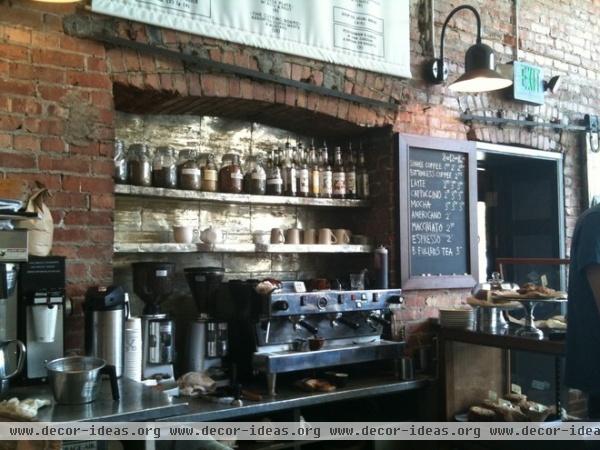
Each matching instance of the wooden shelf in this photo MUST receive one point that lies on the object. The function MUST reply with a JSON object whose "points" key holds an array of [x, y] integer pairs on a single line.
{"points": [[220, 197], [127, 247]]}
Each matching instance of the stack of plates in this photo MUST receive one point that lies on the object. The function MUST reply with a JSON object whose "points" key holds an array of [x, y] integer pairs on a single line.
{"points": [[457, 317]]}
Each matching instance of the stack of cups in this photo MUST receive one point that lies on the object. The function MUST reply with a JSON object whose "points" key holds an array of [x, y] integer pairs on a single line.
{"points": [[132, 364]]}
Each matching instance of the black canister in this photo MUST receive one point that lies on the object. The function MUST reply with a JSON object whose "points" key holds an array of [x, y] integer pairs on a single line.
{"points": [[380, 264]]}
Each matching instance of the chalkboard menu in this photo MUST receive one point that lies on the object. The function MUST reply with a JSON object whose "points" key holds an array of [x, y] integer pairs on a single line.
{"points": [[437, 212]]}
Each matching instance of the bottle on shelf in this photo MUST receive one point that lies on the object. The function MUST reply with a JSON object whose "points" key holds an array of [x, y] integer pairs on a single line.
{"points": [[303, 173], [230, 175], [188, 176], [255, 178], [362, 185], [120, 160], [338, 175], [315, 177], [209, 175], [274, 180], [290, 171], [282, 166], [326, 174], [164, 168], [139, 164], [351, 187]]}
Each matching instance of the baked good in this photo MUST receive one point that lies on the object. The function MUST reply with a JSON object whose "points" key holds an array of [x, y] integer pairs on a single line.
{"points": [[480, 414], [516, 399]]}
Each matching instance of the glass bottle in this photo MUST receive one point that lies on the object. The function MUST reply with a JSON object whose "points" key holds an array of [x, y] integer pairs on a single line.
{"points": [[140, 167], [315, 181], [209, 175], [255, 179], [120, 160], [189, 172], [290, 171], [303, 173], [351, 188], [280, 157], [274, 180], [326, 174], [339, 175], [363, 189], [230, 175], [164, 168]]}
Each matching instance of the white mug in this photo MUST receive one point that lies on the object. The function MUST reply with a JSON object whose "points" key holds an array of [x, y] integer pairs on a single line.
{"points": [[342, 236], [326, 236]]}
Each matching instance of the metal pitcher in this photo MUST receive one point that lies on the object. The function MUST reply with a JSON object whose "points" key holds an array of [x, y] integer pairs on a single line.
{"points": [[5, 377]]}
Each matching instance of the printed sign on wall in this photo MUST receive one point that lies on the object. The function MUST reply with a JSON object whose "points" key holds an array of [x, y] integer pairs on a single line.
{"points": [[367, 34]]}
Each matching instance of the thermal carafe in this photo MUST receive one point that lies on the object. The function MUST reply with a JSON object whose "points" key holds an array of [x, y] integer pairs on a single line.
{"points": [[105, 313]]}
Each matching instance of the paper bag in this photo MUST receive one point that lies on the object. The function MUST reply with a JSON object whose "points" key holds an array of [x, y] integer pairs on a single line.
{"points": [[41, 231]]}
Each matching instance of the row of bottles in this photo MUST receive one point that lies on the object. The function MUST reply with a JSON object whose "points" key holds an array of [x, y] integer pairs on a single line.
{"points": [[296, 171], [290, 171]]}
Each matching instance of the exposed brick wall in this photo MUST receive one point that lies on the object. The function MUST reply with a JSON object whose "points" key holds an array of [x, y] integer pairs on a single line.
{"points": [[56, 104]]}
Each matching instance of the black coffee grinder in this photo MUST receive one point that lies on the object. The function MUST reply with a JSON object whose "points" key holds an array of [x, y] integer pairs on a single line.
{"points": [[153, 284]]}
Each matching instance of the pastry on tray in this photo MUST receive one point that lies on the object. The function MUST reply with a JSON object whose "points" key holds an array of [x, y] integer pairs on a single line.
{"points": [[494, 303], [480, 414], [315, 384]]}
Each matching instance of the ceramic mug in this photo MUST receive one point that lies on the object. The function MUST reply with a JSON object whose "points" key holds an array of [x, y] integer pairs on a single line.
{"points": [[342, 236], [277, 236], [326, 236], [292, 236], [261, 237], [310, 236], [184, 234]]}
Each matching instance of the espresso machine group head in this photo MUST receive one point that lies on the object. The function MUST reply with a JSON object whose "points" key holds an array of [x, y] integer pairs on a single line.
{"points": [[153, 284]]}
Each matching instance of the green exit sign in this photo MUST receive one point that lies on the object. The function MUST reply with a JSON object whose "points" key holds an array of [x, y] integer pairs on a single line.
{"points": [[528, 83]]}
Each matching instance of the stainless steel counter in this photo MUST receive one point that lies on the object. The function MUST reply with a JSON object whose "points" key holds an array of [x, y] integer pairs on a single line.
{"points": [[289, 398], [137, 403]]}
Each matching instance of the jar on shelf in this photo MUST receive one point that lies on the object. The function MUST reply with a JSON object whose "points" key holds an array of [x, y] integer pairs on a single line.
{"points": [[255, 178], [230, 175], [164, 168], [139, 165], [209, 175], [188, 171], [120, 160]]}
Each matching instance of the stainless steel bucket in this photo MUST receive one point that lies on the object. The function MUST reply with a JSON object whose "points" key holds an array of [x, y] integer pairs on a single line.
{"points": [[76, 379]]}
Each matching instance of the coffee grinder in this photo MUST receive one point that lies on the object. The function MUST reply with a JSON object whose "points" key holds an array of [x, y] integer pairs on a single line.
{"points": [[153, 283], [208, 338], [40, 313]]}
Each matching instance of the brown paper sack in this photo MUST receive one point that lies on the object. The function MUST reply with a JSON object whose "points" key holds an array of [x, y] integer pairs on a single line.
{"points": [[41, 231]]}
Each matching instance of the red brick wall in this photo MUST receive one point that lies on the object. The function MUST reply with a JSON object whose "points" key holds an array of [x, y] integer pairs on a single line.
{"points": [[56, 105]]}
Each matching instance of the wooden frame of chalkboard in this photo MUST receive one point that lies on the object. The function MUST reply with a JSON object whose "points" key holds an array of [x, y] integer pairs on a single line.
{"points": [[437, 209]]}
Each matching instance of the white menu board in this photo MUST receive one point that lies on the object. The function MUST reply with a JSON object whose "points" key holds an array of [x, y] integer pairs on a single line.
{"points": [[366, 34]]}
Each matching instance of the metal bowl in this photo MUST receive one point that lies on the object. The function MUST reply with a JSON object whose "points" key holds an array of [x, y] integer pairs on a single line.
{"points": [[76, 379]]}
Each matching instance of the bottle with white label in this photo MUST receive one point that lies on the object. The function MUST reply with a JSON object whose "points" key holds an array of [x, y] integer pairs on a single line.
{"points": [[209, 175], [188, 171], [303, 173], [315, 177], [274, 180], [326, 174], [339, 175]]}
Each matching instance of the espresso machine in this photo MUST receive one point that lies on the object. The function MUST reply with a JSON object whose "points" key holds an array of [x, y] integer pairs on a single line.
{"points": [[40, 313], [208, 337], [153, 284], [13, 249], [270, 332]]}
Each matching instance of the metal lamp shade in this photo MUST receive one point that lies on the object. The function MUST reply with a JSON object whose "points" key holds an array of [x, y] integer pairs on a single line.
{"points": [[480, 72]]}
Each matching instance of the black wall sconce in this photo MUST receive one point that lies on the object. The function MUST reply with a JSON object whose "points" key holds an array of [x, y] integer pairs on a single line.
{"points": [[480, 64]]}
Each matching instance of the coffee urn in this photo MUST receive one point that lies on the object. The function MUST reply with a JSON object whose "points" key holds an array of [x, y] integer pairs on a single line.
{"points": [[106, 308]]}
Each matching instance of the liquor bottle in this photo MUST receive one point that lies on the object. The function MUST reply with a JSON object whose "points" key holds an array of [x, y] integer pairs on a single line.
{"points": [[290, 171], [326, 174], [338, 175], [274, 181], [351, 188], [315, 179], [363, 189], [282, 167], [303, 173]]}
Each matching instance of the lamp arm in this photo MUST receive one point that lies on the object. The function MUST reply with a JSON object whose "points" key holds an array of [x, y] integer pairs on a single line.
{"points": [[454, 11]]}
